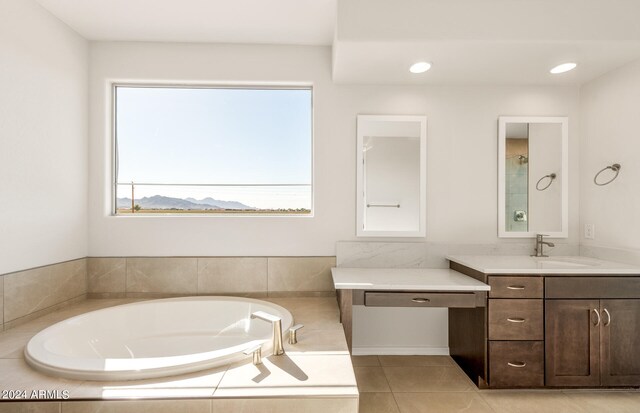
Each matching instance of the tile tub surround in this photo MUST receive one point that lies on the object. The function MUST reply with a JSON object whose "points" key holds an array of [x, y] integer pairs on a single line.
{"points": [[31, 293], [106, 275], [34, 292], [255, 276], [162, 275], [314, 375], [1, 303]]}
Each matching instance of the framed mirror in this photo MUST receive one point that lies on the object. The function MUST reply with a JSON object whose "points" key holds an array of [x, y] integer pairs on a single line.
{"points": [[533, 184], [391, 176]]}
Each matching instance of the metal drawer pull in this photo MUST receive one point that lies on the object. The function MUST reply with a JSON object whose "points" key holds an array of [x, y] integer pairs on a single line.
{"points": [[608, 317], [515, 287], [598, 315], [516, 320], [420, 300], [518, 364]]}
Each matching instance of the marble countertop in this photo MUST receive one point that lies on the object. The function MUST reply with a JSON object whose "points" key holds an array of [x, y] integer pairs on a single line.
{"points": [[418, 279], [561, 265]]}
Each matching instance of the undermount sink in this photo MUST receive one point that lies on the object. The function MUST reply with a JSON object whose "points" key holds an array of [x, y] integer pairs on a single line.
{"points": [[567, 262]]}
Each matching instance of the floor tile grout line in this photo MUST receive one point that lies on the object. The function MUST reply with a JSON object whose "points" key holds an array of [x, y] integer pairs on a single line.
{"points": [[395, 401], [228, 366], [388, 382]]}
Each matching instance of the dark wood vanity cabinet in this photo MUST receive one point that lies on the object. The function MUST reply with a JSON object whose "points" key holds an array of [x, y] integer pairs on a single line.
{"points": [[515, 324], [551, 331], [592, 342], [620, 344], [572, 343], [592, 331]]}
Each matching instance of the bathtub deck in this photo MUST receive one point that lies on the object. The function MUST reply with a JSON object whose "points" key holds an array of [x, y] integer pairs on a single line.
{"points": [[314, 375]]}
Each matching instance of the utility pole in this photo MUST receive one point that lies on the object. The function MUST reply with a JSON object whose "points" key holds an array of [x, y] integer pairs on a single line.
{"points": [[133, 202]]}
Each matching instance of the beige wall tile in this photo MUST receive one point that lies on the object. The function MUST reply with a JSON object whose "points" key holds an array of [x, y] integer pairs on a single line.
{"points": [[301, 273], [162, 275], [30, 407], [138, 406], [339, 405], [28, 291], [70, 279], [1, 301], [232, 275], [28, 322], [106, 275]]}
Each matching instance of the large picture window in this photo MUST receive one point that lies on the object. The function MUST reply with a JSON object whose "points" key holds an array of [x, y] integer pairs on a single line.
{"points": [[212, 150]]}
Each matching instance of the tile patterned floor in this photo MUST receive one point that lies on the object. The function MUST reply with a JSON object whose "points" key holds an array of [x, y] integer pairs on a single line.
{"points": [[435, 384]]}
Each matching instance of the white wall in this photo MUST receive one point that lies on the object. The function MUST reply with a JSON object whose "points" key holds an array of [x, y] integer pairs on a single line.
{"points": [[461, 142], [610, 116], [43, 138], [545, 158]]}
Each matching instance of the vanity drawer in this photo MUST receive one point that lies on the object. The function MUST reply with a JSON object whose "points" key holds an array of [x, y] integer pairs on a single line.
{"points": [[516, 287], [516, 363], [517, 319], [418, 299]]}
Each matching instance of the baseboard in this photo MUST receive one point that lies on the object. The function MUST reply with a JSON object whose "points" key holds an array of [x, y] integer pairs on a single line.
{"points": [[400, 351]]}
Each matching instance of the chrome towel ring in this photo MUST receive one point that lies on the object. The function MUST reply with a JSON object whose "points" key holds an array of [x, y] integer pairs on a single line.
{"points": [[551, 177], [615, 168]]}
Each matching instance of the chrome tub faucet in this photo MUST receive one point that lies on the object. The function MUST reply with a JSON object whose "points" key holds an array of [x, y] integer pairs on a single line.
{"points": [[276, 322]]}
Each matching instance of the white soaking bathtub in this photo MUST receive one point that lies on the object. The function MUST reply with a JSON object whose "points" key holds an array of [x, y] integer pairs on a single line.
{"points": [[154, 338]]}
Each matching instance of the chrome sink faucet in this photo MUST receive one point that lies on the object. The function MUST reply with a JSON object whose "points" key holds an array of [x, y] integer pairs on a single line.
{"points": [[276, 322], [540, 243]]}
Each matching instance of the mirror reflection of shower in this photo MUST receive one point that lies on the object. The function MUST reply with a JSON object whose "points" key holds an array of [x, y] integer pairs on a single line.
{"points": [[517, 177]]}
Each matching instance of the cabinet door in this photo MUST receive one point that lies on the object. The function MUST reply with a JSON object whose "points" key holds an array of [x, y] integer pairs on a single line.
{"points": [[572, 342], [620, 331]]}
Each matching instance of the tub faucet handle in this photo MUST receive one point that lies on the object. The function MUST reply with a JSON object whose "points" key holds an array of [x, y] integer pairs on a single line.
{"points": [[256, 352], [293, 333]]}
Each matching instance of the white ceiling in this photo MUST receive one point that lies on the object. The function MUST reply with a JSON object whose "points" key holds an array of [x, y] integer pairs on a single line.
{"points": [[483, 41], [375, 41], [304, 22]]}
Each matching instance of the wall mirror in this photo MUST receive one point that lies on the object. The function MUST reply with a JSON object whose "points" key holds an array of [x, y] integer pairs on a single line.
{"points": [[391, 176], [533, 185]]}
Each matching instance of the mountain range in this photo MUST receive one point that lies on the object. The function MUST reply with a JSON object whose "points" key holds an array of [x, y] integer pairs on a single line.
{"points": [[219, 203], [165, 202]]}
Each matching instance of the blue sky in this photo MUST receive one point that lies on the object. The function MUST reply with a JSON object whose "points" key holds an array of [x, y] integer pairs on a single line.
{"points": [[214, 136]]}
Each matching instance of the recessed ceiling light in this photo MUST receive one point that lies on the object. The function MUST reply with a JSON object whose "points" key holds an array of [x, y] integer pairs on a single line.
{"points": [[420, 67], [565, 67]]}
